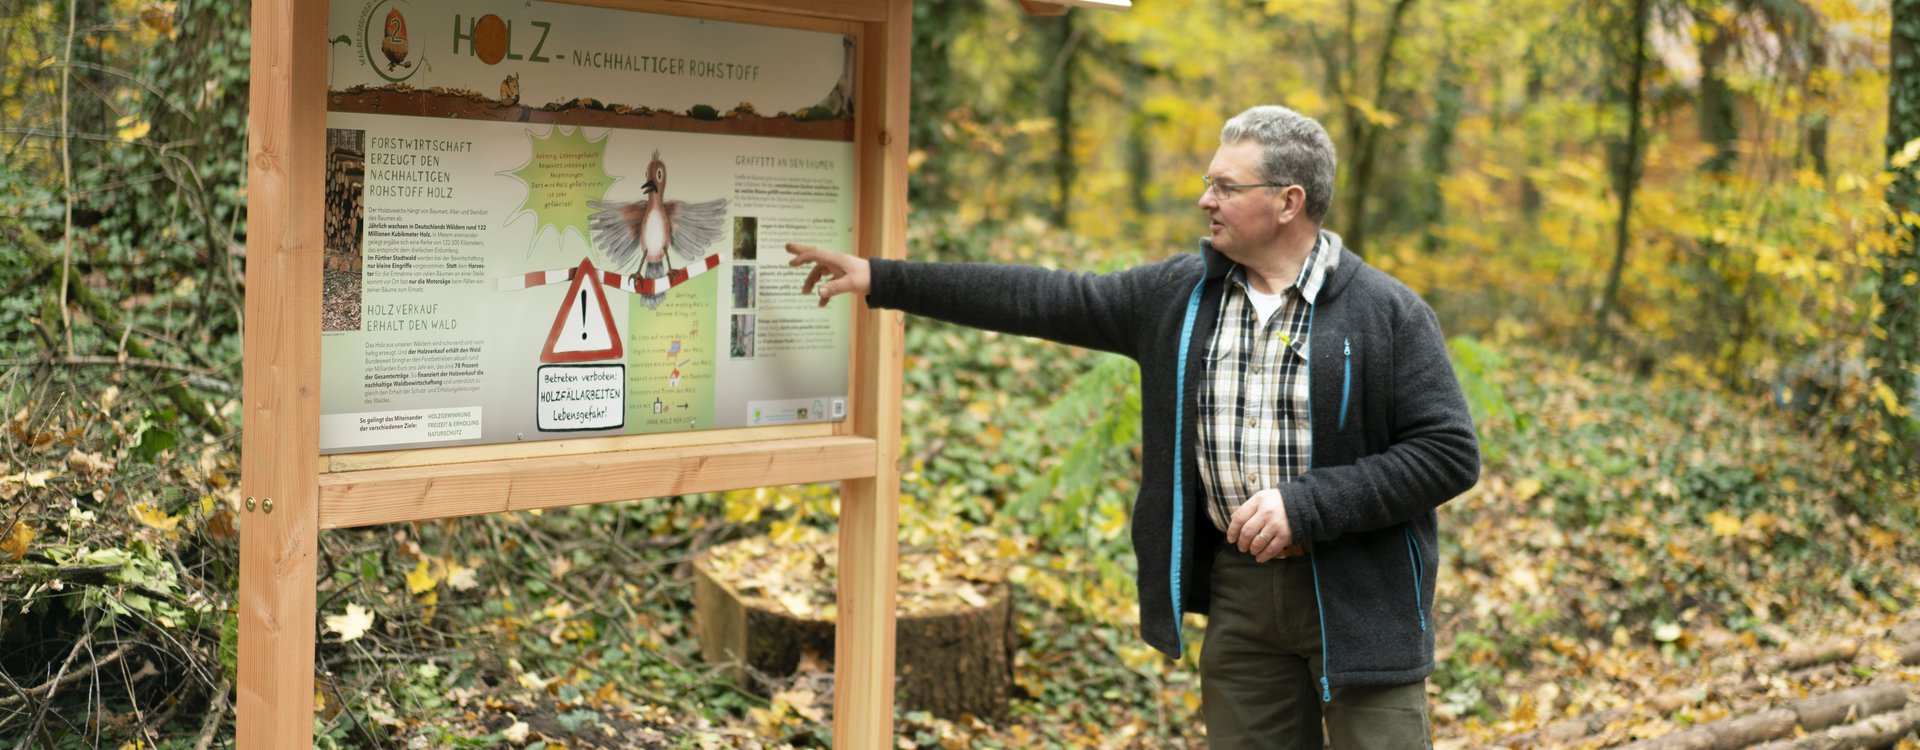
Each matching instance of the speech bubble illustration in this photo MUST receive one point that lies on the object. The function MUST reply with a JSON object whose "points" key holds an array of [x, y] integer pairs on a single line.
{"points": [[564, 170]]}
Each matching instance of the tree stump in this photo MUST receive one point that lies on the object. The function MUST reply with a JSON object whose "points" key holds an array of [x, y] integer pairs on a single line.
{"points": [[767, 608]]}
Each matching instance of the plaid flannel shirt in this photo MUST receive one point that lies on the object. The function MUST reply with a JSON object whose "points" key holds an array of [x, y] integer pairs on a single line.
{"points": [[1254, 429]]}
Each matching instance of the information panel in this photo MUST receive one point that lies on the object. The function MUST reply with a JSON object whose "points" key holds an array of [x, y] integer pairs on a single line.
{"points": [[548, 221]]}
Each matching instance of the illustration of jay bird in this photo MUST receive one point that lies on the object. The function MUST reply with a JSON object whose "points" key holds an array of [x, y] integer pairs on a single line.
{"points": [[394, 43], [649, 226]]}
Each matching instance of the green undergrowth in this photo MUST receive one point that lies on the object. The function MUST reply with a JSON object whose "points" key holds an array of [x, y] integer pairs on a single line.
{"points": [[1624, 525]]}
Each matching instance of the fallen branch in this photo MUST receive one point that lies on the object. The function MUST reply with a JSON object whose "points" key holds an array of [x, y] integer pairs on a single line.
{"points": [[33, 575]]}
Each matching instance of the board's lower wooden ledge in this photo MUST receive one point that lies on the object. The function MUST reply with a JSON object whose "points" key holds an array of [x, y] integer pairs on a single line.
{"points": [[374, 496]]}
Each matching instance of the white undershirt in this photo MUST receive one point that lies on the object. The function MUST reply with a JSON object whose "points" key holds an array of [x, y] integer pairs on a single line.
{"points": [[1264, 305]]}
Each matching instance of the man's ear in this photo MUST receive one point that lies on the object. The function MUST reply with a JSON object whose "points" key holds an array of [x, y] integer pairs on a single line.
{"points": [[1293, 204]]}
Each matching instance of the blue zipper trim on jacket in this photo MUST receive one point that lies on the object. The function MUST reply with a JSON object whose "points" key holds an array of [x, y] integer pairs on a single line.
{"points": [[1346, 378], [1179, 429], [1326, 692], [1413, 557]]}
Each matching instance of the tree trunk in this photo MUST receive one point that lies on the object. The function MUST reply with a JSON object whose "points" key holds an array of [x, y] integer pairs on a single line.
{"points": [[1139, 148], [1363, 134], [1813, 137], [935, 94], [1719, 118], [1446, 116], [1625, 166], [1530, 199], [1898, 351], [1060, 105]]}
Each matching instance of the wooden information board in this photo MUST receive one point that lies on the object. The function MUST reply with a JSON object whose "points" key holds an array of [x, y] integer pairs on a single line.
{"points": [[293, 492]]}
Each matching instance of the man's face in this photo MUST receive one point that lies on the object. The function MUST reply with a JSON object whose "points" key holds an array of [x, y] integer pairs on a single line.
{"points": [[1242, 220]]}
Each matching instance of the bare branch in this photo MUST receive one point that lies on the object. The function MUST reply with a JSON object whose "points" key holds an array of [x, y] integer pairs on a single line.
{"points": [[66, 678], [101, 360], [220, 706]]}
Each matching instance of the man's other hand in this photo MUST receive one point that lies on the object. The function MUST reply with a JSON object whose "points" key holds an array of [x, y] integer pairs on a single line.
{"points": [[844, 274]]}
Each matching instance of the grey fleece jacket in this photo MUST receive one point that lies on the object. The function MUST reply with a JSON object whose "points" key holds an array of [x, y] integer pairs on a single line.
{"points": [[1392, 436]]}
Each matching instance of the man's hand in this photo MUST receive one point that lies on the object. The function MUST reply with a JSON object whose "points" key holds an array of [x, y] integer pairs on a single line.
{"points": [[845, 274], [1259, 526]]}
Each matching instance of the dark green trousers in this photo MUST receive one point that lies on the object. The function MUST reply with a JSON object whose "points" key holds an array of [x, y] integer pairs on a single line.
{"points": [[1260, 670]]}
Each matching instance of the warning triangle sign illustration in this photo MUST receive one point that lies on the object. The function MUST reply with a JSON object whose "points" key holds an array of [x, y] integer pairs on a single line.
{"points": [[584, 330]]}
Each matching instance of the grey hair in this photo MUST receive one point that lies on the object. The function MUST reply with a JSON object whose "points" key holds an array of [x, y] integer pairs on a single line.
{"points": [[1295, 150]]}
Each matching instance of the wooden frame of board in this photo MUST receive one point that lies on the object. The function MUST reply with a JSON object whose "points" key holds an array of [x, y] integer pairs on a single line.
{"points": [[293, 493]]}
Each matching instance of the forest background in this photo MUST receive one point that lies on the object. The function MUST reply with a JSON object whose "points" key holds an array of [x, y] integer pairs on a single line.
{"points": [[1672, 241]]}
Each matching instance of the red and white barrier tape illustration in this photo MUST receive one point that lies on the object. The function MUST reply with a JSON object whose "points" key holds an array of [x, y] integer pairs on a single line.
{"points": [[626, 284]]}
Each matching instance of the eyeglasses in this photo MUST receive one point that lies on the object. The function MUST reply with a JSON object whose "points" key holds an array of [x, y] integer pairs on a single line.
{"points": [[1224, 190]]}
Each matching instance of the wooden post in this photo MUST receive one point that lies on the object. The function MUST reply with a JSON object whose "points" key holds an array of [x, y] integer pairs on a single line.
{"points": [[279, 527], [869, 508]]}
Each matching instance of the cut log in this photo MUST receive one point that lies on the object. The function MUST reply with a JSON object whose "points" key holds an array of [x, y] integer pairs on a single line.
{"points": [[1724, 688], [1726, 734], [1804, 656], [1810, 714], [1875, 731], [953, 654], [1803, 664], [1567, 730], [1822, 711]]}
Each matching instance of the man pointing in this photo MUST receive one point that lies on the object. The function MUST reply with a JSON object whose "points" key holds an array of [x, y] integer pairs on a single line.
{"points": [[1300, 423]]}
